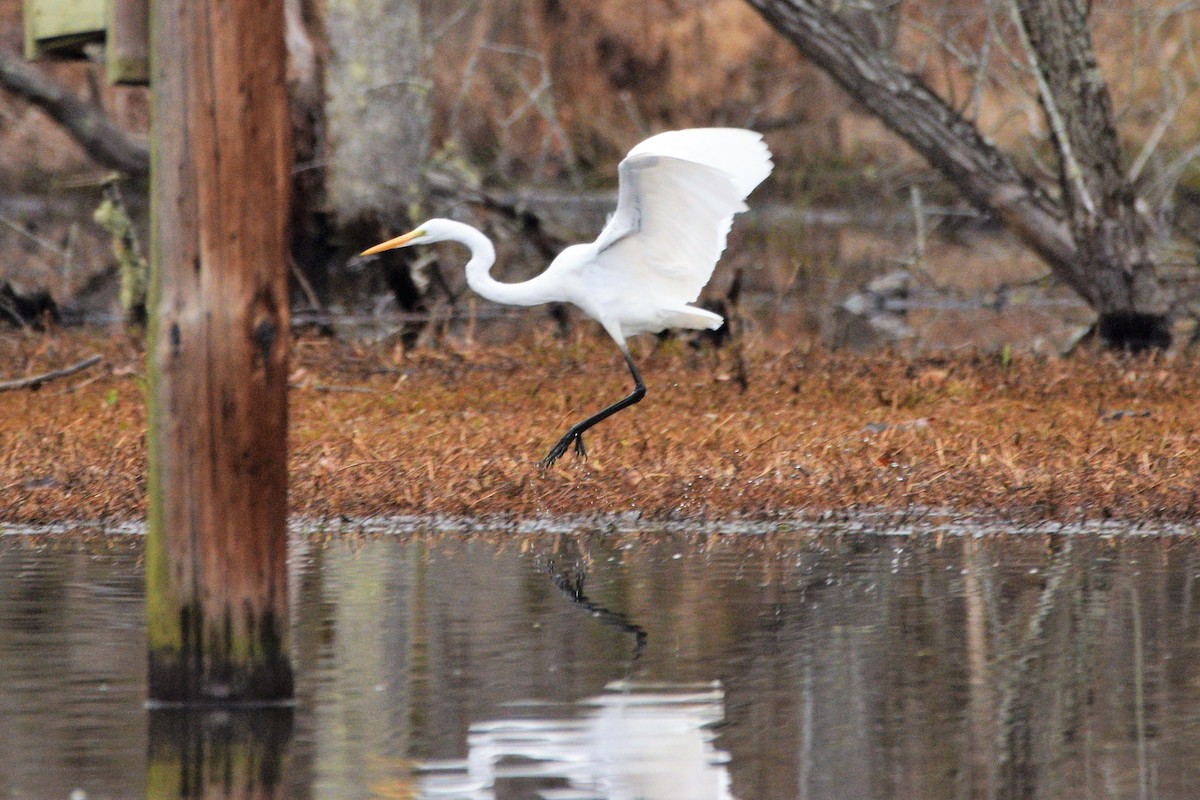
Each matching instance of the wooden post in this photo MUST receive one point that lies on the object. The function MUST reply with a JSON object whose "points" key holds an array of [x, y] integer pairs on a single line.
{"points": [[127, 46], [216, 577]]}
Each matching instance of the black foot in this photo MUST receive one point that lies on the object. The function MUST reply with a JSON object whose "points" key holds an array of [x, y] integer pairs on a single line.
{"points": [[560, 449]]}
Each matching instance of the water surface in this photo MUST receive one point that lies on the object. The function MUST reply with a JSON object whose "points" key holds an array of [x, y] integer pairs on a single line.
{"points": [[640, 665]]}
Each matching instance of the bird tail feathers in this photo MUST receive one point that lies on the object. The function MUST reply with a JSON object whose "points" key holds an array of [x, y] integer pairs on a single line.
{"points": [[695, 318]]}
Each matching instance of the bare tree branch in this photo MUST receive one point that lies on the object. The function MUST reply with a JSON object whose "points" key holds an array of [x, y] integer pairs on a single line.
{"points": [[1091, 235], [1101, 206], [1071, 169], [97, 134], [907, 105]]}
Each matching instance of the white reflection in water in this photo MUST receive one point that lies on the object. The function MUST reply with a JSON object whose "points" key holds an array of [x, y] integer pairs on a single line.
{"points": [[633, 742]]}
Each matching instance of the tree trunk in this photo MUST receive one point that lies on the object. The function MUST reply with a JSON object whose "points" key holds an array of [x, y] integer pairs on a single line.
{"points": [[216, 568], [377, 122], [1100, 204], [1114, 273], [377, 112]]}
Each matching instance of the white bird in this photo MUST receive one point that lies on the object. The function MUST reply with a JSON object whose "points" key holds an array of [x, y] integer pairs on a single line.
{"points": [[678, 194]]}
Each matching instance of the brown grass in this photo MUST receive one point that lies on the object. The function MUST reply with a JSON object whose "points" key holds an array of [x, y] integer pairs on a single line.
{"points": [[460, 432]]}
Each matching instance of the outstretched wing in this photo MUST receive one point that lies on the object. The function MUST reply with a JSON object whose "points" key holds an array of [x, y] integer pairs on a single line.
{"points": [[679, 192]]}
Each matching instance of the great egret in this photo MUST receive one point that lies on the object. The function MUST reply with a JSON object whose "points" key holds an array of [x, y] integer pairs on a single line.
{"points": [[678, 194]]}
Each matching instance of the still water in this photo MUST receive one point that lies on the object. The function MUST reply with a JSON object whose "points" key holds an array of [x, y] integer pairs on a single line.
{"points": [[651, 666]]}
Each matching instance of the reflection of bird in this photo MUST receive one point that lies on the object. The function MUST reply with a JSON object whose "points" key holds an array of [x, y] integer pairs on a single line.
{"points": [[629, 742], [678, 193]]}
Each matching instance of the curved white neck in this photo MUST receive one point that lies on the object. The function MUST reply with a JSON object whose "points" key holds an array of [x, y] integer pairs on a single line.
{"points": [[483, 256]]}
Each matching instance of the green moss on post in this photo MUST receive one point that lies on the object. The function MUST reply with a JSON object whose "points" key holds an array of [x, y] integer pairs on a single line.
{"points": [[220, 660]]}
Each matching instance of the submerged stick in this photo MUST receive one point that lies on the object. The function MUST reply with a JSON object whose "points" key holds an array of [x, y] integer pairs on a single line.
{"points": [[36, 381]]}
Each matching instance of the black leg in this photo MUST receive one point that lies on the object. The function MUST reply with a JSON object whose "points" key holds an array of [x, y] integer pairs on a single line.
{"points": [[575, 434]]}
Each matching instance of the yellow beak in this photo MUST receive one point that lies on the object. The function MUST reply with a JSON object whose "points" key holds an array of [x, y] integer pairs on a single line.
{"points": [[392, 244]]}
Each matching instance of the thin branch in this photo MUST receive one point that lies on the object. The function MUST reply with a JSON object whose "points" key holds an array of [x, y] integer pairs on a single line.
{"points": [[304, 284], [541, 99], [36, 381], [982, 59], [1070, 165], [1152, 142], [918, 210], [9, 310], [450, 21], [39, 241], [1169, 176]]}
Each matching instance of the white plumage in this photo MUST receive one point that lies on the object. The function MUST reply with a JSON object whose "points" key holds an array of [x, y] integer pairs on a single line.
{"points": [[677, 197], [678, 194]]}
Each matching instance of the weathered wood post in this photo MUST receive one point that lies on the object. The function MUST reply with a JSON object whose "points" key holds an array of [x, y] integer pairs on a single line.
{"points": [[127, 44], [216, 577]]}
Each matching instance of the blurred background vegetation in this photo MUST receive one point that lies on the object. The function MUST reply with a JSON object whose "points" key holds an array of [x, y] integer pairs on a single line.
{"points": [[512, 114]]}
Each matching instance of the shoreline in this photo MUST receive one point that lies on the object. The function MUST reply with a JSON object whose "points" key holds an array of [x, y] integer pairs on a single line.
{"points": [[456, 433]]}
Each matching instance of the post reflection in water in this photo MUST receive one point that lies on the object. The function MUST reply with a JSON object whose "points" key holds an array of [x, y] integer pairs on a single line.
{"points": [[786, 665], [213, 753]]}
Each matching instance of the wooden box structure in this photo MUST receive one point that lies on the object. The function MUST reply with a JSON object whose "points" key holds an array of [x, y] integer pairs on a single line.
{"points": [[62, 28]]}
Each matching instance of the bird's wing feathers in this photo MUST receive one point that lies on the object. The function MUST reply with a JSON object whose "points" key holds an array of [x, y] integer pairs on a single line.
{"points": [[672, 229], [740, 154], [678, 194]]}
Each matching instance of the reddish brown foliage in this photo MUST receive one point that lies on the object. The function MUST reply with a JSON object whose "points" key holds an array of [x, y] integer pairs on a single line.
{"points": [[460, 432]]}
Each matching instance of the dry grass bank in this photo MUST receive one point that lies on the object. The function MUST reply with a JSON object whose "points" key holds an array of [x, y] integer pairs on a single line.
{"points": [[461, 432]]}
